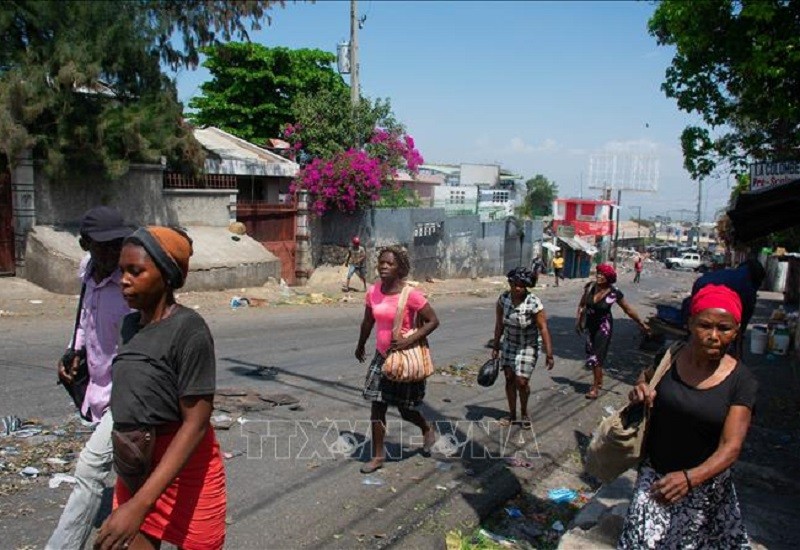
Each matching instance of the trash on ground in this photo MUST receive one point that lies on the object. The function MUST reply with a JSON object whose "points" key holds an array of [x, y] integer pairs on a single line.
{"points": [[34, 301], [57, 479], [280, 398], [369, 480], [11, 424], [609, 410], [557, 526], [516, 462], [232, 454], [222, 421], [443, 466], [562, 495], [514, 512], [239, 301], [441, 488], [29, 471], [499, 539], [27, 432], [56, 461]]}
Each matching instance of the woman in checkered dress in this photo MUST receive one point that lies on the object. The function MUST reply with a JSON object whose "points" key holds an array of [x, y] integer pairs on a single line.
{"points": [[519, 323]]}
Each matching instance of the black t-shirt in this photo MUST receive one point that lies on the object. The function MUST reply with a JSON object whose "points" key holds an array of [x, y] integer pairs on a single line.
{"points": [[158, 364], [686, 423], [597, 311]]}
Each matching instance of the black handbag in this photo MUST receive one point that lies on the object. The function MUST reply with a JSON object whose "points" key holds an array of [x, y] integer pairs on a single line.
{"points": [[80, 382], [487, 375]]}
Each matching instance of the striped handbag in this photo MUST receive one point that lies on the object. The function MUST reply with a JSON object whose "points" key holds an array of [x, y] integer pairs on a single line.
{"points": [[409, 365]]}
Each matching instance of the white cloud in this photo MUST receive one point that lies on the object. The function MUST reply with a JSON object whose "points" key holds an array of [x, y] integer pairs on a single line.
{"points": [[637, 146], [518, 145]]}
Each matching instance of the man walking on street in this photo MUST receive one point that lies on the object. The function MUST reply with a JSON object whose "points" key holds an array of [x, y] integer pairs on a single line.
{"points": [[102, 309], [356, 262], [637, 267], [558, 266]]}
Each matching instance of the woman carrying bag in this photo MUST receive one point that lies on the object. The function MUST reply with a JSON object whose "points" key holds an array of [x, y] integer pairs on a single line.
{"points": [[519, 322], [171, 480], [382, 301], [700, 412]]}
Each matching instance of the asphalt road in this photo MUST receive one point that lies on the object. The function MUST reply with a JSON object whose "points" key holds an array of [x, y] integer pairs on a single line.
{"points": [[283, 495]]}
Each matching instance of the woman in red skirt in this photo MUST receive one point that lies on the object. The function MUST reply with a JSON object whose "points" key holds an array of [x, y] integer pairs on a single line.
{"points": [[171, 481]]}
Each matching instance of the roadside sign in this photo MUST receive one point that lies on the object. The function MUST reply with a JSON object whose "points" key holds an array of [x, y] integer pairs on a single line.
{"points": [[766, 175]]}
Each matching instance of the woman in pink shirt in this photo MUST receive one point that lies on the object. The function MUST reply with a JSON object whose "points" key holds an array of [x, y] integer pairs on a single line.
{"points": [[381, 305]]}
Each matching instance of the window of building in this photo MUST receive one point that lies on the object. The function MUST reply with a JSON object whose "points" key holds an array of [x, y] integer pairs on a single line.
{"points": [[458, 196]]}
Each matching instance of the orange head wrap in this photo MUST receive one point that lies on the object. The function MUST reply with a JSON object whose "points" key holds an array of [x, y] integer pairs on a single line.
{"points": [[717, 297], [169, 248]]}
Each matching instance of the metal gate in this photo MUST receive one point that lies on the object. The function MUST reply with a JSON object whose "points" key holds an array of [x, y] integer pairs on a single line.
{"points": [[512, 247], [273, 225], [6, 226], [426, 257]]}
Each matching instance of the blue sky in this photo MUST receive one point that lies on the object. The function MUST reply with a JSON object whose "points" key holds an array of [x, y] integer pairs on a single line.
{"points": [[534, 86]]}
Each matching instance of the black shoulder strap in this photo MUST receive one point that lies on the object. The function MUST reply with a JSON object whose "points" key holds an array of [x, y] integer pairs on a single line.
{"points": [[78, 314]]}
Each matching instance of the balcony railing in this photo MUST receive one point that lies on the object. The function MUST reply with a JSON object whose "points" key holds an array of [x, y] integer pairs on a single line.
{"points": [[175, 180]]}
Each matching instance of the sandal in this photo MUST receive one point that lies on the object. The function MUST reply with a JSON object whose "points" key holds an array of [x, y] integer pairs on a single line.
{"points": [[592, 393], [372, 466], [526, 422], [428, 442], [507, 421]]}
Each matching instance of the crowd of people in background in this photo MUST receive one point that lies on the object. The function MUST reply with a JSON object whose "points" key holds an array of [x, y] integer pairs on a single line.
{"points": [[152, 380]]}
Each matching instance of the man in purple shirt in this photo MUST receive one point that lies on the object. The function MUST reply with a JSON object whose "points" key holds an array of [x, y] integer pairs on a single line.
{"points": [[102, 310]]}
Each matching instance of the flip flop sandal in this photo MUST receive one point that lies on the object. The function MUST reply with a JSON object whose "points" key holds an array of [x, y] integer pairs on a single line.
{"points": [[507, 421], [526, 423], [371, 466], [428, 443]]}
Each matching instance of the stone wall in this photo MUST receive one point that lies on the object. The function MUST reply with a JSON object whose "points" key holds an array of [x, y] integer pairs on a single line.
{"points": [[139, 195], [439, 246]]}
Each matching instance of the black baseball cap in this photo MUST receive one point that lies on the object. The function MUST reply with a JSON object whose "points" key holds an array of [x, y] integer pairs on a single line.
{"points": [[103, 224]]}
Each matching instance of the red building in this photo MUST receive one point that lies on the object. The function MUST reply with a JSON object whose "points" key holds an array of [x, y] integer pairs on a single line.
{"points": [[589, 217]]}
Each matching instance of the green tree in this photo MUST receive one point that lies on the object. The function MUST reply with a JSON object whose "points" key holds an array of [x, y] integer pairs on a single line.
{"points": [[737, 66], [539, 197], [81, 82], [329, 124], [253, 87]]}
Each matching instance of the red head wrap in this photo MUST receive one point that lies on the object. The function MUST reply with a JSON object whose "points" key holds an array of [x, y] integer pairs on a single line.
{"points": [[608, 272], [717, 297]]}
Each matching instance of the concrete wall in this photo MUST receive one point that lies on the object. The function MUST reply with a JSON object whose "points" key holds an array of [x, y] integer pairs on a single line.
{"points": [[138, 195], [211, 207], [439, 245], [219, 261]]}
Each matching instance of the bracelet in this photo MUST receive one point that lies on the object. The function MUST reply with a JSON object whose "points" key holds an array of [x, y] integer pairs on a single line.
{"points": [[688, 479]]}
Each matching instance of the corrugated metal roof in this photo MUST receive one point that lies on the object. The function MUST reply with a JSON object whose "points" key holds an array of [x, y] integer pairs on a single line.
{"points": [[576, 243], [240, 157]]}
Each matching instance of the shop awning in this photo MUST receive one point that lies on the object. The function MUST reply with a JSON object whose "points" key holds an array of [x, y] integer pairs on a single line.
{"points": [[551, 247], [576, 243], [757, 215]]}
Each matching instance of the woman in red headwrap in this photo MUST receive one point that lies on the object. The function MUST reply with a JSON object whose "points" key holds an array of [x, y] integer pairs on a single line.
{"points": [[699, 418], [594, 316]]}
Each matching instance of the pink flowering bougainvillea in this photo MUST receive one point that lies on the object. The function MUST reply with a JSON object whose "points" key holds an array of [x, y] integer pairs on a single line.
{"points": [[353, 179]]}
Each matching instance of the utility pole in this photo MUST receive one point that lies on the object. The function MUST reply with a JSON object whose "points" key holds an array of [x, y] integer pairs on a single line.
{"points": [[616, 231], [354, 93], [638, 220], [699, 211]]}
